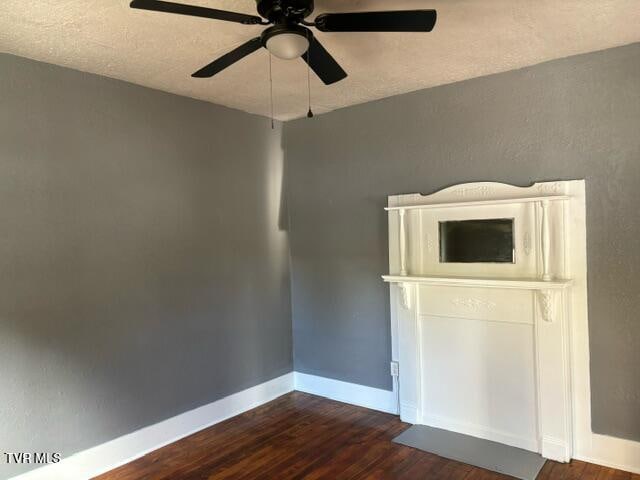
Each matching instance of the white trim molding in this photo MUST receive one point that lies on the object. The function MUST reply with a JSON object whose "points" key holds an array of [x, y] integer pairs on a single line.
{"points": [[112, 454], [369, 397], [611, 452]]}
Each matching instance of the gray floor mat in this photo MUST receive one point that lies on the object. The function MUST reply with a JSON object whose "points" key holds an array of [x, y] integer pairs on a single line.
{"points": [[482, 453]]}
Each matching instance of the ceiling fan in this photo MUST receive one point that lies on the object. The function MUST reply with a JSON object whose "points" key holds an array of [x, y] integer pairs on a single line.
{"points": [[288, 36]]}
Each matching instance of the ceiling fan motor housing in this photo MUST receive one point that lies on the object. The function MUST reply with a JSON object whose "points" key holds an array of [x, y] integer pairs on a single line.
{"points": [[281, 11]]}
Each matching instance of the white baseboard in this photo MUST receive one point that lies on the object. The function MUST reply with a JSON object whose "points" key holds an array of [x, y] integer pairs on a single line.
{"points": [[602, 450], [109, 455], [408, 413], [480, 431], [369, 397], [555, 449], [611, 452]]}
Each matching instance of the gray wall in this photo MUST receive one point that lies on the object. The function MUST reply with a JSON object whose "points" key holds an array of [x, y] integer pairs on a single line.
{"points": [[142, 269], [568, 119]]}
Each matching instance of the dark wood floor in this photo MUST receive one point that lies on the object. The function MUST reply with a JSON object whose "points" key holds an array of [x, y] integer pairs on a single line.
{"points": [[303, 436]]}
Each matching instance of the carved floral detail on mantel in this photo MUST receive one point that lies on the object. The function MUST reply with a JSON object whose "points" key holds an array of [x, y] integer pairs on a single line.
{"points": [[405, 295], [481, 190], [474, 304], [546, 305], [553, 188]]}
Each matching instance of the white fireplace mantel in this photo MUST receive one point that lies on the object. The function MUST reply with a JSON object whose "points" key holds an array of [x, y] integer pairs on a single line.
{"points": [[486, 349]]}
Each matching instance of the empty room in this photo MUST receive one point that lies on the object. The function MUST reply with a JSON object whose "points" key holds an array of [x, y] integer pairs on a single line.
{"points": [[320, 240]]}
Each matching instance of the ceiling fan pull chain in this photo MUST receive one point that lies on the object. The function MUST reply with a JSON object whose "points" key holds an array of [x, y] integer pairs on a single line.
{"points": [[271, 91], [309, 113]]}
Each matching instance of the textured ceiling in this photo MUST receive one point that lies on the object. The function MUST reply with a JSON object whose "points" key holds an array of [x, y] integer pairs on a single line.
{"points": [[158, 50]]}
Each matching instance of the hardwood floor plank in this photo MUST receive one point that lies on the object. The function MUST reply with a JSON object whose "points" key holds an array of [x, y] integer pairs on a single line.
{"points": [[391, 466], [455, 471], [306, 459], [427, 468], [301, 436], [564, 471], [607, 473], [301, 451], [478, 473], [239, 460], [591, 472], [546, 470]]}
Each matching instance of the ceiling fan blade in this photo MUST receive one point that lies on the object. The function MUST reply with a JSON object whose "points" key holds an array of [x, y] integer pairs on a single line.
{"points": [[322, 63], [229, 59], [191, 10], [391, 21]]}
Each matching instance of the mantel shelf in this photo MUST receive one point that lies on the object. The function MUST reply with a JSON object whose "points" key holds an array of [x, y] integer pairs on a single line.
{"points": [[514, 283], [480, 203]]}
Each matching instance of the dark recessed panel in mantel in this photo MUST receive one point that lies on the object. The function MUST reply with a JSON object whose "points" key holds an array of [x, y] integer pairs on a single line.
{"points": [[477, 241]]}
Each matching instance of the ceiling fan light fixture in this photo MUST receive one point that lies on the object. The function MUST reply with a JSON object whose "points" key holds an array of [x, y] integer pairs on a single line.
{"points": [[287, 45]]}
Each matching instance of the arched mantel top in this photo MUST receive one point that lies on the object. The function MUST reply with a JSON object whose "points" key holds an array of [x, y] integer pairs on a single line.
{"points": [[486, 191]]}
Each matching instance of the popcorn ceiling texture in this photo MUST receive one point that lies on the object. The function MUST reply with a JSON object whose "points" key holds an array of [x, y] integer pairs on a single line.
{"points": [[472, 38]]}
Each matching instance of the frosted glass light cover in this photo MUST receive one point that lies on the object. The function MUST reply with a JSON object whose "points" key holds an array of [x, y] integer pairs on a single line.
{"points": [[287, 45]]}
